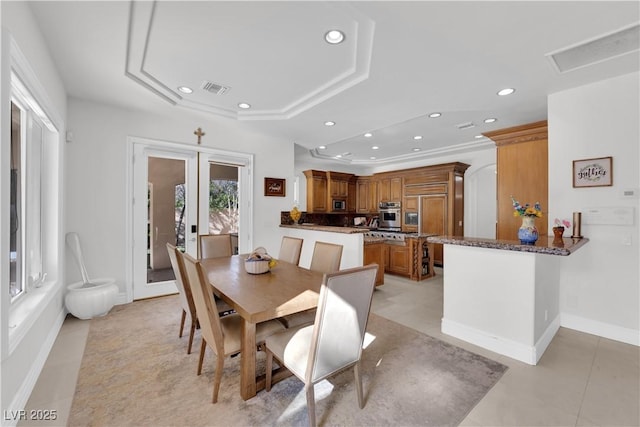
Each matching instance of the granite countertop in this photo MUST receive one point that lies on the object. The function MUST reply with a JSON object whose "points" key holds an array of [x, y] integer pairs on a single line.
{"points": [[545, 244], [326, 228]]}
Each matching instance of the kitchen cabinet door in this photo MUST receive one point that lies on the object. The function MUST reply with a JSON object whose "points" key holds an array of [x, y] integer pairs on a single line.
{"points": [[374, 254], [399, 259], [434, 220]]}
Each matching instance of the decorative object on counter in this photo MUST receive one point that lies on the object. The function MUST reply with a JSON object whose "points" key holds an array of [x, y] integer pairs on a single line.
{"points": [[259, 261], [559, 226], [593, 172], [527, 233], [275, 187], [577, 225], [295, 214]]}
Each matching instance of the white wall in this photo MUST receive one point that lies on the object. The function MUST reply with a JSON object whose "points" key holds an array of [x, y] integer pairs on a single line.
{"points": [[599, 290], [21, 367], [95, 175]]}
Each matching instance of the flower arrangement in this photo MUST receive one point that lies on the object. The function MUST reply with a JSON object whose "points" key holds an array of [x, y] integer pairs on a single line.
{"points": [[526, 210], [295, 214], [562, 223]]}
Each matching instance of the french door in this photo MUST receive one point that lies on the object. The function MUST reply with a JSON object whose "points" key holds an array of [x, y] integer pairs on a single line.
{"points": [[170, 188]]}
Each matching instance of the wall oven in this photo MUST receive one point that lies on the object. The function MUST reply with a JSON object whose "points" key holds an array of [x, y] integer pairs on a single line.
{"points": [[389, 216]]}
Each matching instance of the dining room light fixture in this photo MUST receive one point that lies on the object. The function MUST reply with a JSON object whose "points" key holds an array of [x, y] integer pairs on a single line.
{"points": [[434, 115], [244, 105], [329, 123], [185, 89], [490, 120], [506, 91], [334, 36]]}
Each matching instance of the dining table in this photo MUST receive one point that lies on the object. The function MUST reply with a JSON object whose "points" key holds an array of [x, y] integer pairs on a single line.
{"points": [[285, 289]]}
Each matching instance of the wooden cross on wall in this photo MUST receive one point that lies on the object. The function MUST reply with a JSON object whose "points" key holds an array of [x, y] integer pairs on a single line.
{"points": [[198, 132]]}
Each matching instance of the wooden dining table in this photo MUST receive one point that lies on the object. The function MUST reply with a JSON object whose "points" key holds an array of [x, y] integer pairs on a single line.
{"points": [[285, 289]]}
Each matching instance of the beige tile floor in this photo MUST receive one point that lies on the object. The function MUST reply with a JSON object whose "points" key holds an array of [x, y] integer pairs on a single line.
{"points": [[581, 380]]}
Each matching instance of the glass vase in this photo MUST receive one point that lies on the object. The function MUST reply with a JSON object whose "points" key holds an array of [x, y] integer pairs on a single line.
{"points": [[528, 233]]}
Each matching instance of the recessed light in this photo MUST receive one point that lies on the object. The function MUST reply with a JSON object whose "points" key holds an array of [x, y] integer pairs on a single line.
{"points": [[417, 137], [490, 120], [375, 147], [334, 36], [244, 105], [506, 91], [185, 89], [329, 123], [368, 135], [322, 147], [434, 115], [416, 149], [479, 136], [338, 156], [372, 158]]}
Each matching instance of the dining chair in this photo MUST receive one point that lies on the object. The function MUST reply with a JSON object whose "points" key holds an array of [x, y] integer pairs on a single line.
{"points": [[222, 334], [334, 341], [186, 297], [325, 259], [290, 249], [215, 245]]}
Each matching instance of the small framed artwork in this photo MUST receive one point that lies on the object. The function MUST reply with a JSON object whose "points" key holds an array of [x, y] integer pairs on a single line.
{"points": [[593, 172], [275, 187]]}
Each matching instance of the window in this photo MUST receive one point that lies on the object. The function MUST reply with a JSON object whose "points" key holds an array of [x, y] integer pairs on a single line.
{"points": [[30, 129]]}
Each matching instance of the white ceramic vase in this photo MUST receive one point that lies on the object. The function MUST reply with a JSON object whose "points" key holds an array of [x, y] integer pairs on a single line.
{"points": [[88, 300]]}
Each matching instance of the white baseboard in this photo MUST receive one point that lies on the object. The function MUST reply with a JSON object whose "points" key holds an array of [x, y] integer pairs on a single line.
{"points": [[26, 388], [605, 330]]}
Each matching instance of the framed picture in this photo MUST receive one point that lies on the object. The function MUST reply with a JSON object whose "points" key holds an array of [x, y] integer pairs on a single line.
{"points": [[593, 172], [275, 187]]}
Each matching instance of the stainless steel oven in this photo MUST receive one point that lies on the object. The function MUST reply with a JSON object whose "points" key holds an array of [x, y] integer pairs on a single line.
{"points": [[389, 216]]}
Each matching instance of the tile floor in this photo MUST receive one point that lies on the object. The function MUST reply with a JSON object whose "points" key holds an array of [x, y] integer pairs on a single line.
{"points": [[581, 380]]}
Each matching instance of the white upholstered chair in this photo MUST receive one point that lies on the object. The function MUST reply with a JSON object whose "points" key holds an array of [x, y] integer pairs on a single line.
{"points": [[290, 249], [334, 341], [222, 334], [325, 259], [215, 245]]}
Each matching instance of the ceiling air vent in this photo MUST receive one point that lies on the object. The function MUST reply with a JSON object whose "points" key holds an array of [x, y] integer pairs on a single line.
{"points": [[467, 125], [215, 88], [597, 50]]}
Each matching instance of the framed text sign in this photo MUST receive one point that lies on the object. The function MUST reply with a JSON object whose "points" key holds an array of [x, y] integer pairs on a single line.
{"points": [[593, 172], [274, 187]]}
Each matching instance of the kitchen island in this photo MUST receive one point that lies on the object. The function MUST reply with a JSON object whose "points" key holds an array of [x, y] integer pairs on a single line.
{"points": [[351, 238], [504, 296]]}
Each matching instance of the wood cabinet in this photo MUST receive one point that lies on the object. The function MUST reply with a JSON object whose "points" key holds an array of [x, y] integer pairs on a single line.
{"points": [[522, 172], [399, 260], [434, 219], [374, 253], [390, 189], [317, 191], [366, 195], [323, 187]]}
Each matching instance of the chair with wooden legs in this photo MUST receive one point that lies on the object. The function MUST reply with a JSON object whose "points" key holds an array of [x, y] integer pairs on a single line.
{"points": [[326, 259], [290, 250], [215, 245], [334, 341], [222, 334], [186, 297]]}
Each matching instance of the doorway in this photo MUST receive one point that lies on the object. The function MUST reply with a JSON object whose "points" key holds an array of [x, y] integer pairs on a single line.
{"points": [[183, 191]]}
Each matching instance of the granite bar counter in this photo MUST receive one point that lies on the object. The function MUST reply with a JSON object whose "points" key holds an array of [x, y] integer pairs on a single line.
{"points": [[502, 295]]}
